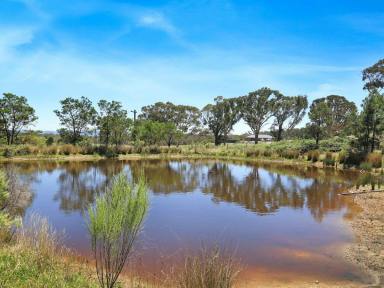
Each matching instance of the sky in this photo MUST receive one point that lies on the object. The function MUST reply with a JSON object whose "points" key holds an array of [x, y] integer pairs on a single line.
{"points": [[186, 52]]}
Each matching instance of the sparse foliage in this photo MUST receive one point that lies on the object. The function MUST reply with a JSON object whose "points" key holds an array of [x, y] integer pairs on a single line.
{"points": [[374, 76]]}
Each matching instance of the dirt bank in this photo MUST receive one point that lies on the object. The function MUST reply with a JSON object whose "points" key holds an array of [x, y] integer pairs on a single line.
{"points": [[367, 251]]}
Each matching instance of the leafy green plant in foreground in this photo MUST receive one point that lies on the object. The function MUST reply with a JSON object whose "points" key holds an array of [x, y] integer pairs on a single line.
{"points": [[114, 223]]}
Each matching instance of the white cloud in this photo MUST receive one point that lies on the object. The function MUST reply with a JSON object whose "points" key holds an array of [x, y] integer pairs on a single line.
{"points": [[158, 21], [12, 38]]}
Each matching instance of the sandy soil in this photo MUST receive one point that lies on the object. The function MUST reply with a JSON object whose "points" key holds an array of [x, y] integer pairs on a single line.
{"points": [[367, 252]]}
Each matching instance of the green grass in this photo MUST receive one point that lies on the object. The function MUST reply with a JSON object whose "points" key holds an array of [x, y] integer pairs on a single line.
{"points": [[20, 267]]}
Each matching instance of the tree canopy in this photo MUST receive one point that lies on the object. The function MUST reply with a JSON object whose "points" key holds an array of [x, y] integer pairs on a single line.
{"points": [[113, 123], [373, 76], [15, 114], [186, 118], [257, 107], [288, 112], [76, 115], [221, 116]]}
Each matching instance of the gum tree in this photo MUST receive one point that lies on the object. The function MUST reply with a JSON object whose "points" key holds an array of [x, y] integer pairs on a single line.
{"points": [[15, 115], [221, 116], [288, 112], [114, 223], [76, 115], [257, 108]]}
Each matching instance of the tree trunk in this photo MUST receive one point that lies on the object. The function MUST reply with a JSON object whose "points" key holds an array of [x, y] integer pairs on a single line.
{"points": [[217, 139], [279, 133], [373, 138], [256, 134]]}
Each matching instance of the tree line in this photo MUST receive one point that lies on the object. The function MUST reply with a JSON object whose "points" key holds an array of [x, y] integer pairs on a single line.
{"points": [[161, 122]]}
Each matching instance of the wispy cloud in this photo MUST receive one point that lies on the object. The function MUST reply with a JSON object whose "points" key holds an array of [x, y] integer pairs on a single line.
{"points": [[157, 20]]}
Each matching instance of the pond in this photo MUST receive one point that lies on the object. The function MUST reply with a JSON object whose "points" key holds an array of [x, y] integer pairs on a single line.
{"points": [[281, 221]]}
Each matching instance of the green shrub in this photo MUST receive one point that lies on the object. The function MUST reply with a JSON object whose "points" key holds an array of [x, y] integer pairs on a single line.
{"points": [[375, 159], [354, 158], [49, 141], [366, 166], [8, 153], [335, 144], [115, 222]]}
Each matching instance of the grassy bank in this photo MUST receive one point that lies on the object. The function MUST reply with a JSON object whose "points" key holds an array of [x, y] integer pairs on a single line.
{"points": [[35, 258], [332, 153]]}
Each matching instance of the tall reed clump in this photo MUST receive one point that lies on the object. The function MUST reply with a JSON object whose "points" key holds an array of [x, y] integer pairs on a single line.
{"points": [[209, 269], [114, 223], [375, 159]]}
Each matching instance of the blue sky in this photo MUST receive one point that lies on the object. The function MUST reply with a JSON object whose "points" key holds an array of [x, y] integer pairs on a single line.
{"points": [[140, 52]]}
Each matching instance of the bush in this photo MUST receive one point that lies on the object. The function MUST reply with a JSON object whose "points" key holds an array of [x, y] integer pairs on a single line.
{"points": [[8, 153], [115, 222], [354, 158], [366, 166], [375, 159], [335, 144], [49, 141]]}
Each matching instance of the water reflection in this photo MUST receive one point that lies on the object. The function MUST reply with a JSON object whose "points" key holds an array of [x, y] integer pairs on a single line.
{"points": [[274, 215], [262, 190]]}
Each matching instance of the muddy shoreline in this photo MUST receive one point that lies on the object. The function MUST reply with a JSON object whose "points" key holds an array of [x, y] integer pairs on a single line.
{"points": [[367, 251]]}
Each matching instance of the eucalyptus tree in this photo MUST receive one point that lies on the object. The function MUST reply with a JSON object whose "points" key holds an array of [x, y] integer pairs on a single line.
{"points": [[320, 116], [288, 112], [257, 108], [113, 123], [114, 223], [343, 114], [15, 115], [221, 117], [76, 115], [186, 118], [373, 76]]}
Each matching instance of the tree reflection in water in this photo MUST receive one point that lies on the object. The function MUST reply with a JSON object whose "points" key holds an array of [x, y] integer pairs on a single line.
{"points": [[262, 189]]}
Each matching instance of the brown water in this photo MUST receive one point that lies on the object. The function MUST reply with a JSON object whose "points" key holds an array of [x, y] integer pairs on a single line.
{"points": [[280, 221]]}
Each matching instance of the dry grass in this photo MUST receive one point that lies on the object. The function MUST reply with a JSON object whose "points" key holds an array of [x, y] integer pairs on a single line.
{"points": [[39, 237], [209, 269]]}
